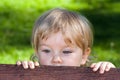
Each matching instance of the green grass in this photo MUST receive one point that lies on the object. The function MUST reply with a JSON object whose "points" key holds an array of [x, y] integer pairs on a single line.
{"points": [[10, 54], [111, 55]]}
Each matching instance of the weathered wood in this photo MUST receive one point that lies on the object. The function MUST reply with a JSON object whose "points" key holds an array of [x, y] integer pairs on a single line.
{"points": [[13, 72]]}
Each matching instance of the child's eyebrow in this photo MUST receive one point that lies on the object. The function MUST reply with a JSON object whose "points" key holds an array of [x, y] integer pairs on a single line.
{"points": [[43, 45], [65, 46]]}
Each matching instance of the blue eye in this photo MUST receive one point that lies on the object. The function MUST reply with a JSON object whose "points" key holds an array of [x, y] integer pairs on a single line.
{"points": [[46, 51], [67, 52]]}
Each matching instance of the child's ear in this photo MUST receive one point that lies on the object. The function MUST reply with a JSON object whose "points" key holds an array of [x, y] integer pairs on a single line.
{"points": [[85, 56], [36, 52]]}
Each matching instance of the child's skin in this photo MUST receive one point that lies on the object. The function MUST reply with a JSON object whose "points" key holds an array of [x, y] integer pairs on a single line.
{"points": [[60, 49]]}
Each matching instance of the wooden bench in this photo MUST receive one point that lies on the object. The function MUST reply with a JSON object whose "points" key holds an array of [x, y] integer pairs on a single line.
{"points": [[13, 72]]}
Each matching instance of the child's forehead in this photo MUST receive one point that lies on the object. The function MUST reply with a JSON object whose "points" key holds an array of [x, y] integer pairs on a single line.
{"points": [[59, 38]]}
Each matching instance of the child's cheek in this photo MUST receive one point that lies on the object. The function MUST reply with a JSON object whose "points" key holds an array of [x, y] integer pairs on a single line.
{"points": [[45, 60]]}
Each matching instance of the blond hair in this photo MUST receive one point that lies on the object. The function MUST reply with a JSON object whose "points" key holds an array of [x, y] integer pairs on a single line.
{"points": [[74, 27]]}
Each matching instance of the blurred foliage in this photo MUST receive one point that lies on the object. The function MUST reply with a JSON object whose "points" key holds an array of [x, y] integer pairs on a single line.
{"points": [[17, 18]]}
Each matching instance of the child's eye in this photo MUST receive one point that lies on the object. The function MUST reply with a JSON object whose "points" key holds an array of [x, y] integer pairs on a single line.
{"points": [[67, 52], [46, 51]]}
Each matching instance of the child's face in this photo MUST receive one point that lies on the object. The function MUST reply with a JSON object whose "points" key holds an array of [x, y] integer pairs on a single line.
{"points": [[55, 52]]}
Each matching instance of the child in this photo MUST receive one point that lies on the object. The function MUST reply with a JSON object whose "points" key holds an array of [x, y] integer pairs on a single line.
{"points": [[63, 38]]}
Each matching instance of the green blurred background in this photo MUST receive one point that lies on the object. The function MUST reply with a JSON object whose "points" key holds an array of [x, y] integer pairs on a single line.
{"points": [[17, 18]]}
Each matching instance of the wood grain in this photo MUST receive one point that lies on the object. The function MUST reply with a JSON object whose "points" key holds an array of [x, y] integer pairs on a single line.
{"points": [[13, 72]]}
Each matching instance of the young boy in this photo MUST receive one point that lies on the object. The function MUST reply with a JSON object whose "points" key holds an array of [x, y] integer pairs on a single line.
{"points": [[63, 38]]}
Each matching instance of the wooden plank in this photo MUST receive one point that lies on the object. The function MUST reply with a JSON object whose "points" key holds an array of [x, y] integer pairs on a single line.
{"points": [[13, 72]]}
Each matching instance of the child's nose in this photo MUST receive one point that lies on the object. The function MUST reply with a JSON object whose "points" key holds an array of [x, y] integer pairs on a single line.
{"points": [[57, 60]]}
